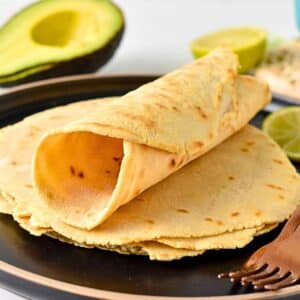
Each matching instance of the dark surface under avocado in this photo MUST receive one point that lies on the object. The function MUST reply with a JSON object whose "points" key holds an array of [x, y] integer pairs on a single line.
{"points": [[75, 64]]}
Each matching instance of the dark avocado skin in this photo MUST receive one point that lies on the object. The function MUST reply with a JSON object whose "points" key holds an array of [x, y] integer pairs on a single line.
{"points": [[80, 65]]}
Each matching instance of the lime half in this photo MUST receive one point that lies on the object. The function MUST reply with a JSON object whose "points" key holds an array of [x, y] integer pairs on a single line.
{"points": [[284, 127], [248, 43]]}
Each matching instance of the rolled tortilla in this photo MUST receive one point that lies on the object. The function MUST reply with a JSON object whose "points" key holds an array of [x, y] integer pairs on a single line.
{"points": [[86, 170]]}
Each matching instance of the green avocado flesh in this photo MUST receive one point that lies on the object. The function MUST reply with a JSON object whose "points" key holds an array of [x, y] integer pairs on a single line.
{"points": [[52, 32]]}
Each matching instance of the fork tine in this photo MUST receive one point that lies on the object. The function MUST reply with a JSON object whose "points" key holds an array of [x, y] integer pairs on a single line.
{"points": [[223, 275], [282, 283], [260, 283], [261, 275], [237, 273]]}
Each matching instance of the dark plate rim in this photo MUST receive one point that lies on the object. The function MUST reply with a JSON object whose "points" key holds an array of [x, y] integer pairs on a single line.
{"points": [[71, 79], [79, 290], [93, 293], [285, 99]]}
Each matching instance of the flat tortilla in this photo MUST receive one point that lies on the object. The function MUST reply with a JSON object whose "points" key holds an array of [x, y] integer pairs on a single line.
{"points": [[163, 249], [195, 209]]}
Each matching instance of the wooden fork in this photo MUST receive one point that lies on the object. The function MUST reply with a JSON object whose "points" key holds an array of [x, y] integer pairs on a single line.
{"points": [[277, 264]]}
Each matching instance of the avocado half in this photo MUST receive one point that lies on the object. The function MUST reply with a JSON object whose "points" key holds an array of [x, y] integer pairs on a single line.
{"points": [[59, 37]]}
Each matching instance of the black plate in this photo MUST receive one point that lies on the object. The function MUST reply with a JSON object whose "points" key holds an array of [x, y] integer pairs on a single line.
{"points": [[43, 268]]}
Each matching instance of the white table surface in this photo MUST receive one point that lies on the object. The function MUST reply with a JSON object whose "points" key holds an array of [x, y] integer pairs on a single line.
{"points": [[158, 32]]}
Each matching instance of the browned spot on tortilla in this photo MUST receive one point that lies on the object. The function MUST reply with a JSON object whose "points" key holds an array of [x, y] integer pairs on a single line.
{"points": [[278, 161], [235, 214], [250, 143], [171, 81], [232, 72], [49, 195], [142, 119], [198, 144], [13, 162], [220, 223], [29, 185], [210, 135], [162, 94], [273, 145], [200, 62], [172, 162], [107, 171], [231, 177], [81, 174], [175, 108], [208, 219], [244, 149], [182, 210], [294, 176], [161, 105], [276, 187], [258, 213], [72, 170], [142, 172], [150, 221], [281, 197], [201, 112], [33, 130]]}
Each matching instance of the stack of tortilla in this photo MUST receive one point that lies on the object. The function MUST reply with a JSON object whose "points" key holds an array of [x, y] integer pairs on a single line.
{"points": [[169, 170]]}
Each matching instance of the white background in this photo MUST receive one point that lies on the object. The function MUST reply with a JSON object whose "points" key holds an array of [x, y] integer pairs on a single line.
{"points": [[158, 32]]}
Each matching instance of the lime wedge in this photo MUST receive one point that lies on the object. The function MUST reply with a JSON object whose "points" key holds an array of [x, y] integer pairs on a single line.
{"points": [[284, 127], [248, 43]]}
